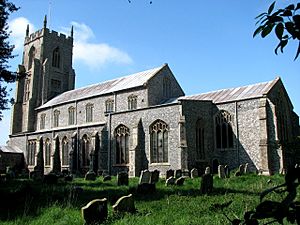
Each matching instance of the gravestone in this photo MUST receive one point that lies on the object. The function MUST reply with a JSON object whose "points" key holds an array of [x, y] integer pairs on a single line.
{"points": [[107, 178], [125, 204], [95, 212], [206, 186], [146, 188], [221, 172], [36, 175], [10, 174], [170, 181], [241, 169], [145, 177], [122, 178], [178, 173], [207, 170], [68, 177], [154, 177], [90, 175], [75, 192], [179, 181], [246, 169], [50, 178], [186, 173], [227, 171], [169, 173], [194, 173]]}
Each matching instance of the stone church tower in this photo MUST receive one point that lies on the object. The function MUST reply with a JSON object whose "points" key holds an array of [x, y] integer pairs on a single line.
{"points": [[47, 62]]}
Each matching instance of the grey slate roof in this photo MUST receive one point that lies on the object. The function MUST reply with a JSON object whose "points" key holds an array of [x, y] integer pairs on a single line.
{"points": [[122, 83], [10, 149], [235, 94]]}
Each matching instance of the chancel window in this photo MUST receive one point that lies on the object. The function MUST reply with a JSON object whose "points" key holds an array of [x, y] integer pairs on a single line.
{"points": [[71, 115], [223, 132], [132, 102], [65, 151], [109, 105], [200, 139], [85, 151], [42, 121], [31, 152], [56, 118], [122, 144], [56, 58], [89, 112], [47, 152], [159, 142]]}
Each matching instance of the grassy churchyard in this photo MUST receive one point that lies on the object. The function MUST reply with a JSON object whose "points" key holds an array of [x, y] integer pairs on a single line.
{"points": [[29, 202]]}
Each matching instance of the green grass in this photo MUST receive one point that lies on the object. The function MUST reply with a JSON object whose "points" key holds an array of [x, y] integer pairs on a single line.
{"points": [[51, 204]]}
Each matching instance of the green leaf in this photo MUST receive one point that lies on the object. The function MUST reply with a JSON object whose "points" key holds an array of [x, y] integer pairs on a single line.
{"points": [[289, 26], [283, 44], [257, 31], [291, 7], [279, 30], [267, 30], [298, 52], [287, 13], [298, 6], [260, 15], [271, 8], [296, 19]]}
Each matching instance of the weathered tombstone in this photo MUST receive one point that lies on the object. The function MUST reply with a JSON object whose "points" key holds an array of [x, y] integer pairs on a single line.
{"points": [[75, 192], [122, 178], [107, 178], [65, 172], [179, 181], [207, 170], [206, 186], [105, 173], [145, 177], [154, 177], [241, 169], [194, 173], [178, 173], [170, 181], [246, 168], [169, 173], [221, 172], [36, 175], [125, 204], [146, 188], [95, 212], [2, 177], [90, 175], [10, 174], [50, 178], [227, 171], [185, 173], [68, 177]]}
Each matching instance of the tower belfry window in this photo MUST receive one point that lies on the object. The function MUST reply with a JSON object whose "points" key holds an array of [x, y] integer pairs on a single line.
{"points": [[56, 58], [31, 57]]}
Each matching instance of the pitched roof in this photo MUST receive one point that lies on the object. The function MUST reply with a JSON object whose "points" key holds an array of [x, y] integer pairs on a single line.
{"points": [[10, 149], [122, 83], [235, 94]]}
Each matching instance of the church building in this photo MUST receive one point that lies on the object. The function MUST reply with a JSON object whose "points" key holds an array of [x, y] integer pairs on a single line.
{"points": [[141, 121]]}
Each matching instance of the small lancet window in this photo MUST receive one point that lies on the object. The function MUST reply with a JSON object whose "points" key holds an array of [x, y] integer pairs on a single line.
{"points": [[56, 58], [132, 102]]}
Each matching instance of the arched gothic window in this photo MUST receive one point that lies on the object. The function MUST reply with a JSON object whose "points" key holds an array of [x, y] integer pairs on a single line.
{"points": [[65, 151], [85, 150], [42, 121], [89, 112], [31, 57], [200, 139], [31, 152], [159, 142], [47, 152], [71, 115], [56, 58], [224, 133], [122, 144], [56, 118], [132, 102], [27, 89], [109, 105]]}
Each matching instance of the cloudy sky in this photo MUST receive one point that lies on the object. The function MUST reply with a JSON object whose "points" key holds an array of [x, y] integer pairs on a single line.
{"points": [[207, 44]]}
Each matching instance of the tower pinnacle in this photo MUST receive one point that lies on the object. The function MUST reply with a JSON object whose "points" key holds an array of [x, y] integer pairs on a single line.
{"points": [[45, 22]]}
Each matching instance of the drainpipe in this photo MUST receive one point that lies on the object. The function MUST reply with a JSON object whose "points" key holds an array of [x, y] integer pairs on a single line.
{"points": [[237, 133], [109, 143]]}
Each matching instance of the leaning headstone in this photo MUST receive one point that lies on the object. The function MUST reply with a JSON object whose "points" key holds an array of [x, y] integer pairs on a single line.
{"points": [[227, 171], [90, 175], [179, 181], [169, 173], [241, 169], [246, 168], [207, 170], [145, 177], [154, 177], [194, 173], [125, 204], [146, 188], [107, 178], [221, 172], [170, 181], [206, 186], [95, 212], [122, 178], [178, 173]]}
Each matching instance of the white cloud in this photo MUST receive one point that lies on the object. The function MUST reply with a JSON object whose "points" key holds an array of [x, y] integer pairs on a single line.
{"points": [[18, 30], [94, 55]]}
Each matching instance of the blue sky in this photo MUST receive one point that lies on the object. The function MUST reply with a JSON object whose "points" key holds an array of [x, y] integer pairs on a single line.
{"points": [[207, 44]]}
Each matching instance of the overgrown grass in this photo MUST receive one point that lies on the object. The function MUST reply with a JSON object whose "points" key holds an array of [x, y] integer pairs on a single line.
{"points": [[27, 202]]}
